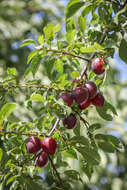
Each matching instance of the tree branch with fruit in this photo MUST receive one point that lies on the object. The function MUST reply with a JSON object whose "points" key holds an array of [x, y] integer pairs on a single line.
{"points": [[71, 94]]}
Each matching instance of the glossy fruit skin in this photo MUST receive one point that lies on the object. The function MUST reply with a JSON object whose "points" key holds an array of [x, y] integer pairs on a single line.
{"points": [[33, 145], [49, 145], [98, 65], [80, 94], [70, 121], [98, 100], [92, 89], [85, 105], [67, 98], [42, 160]]}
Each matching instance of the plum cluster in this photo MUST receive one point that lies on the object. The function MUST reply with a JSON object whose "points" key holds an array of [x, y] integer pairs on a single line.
{"points": [[84, 94], [41, 149]]}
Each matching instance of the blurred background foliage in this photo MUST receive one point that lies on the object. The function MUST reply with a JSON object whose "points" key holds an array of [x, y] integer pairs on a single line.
{"points": [[26, 19]]}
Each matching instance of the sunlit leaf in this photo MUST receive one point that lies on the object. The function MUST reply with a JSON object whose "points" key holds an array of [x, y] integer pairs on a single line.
{"points": [[28, 42]]}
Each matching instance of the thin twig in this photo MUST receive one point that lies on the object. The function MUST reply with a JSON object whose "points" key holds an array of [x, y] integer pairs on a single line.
{"points": [[57, 173], [41, 86], [63, 52], [54, 127]]}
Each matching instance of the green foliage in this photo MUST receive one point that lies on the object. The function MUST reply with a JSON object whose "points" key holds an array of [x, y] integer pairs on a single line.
{"points": [[72, 7], [55, 60], [103, 112], [94, 48], [108, 143], [122, 50], [27, 42], [6, 110]]}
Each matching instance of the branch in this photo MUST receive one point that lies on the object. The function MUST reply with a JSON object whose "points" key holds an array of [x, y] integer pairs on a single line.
{"points": [[54, 127], [24, 134], [62, 52], [41, 86], [123, 4], [57, 174]]}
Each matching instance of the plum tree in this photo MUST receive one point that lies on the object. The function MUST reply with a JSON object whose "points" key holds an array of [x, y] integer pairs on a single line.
{"points": [[70, 66]]}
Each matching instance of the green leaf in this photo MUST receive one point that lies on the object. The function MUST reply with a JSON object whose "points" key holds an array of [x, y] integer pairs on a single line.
{"points": [[94, 48], [11, 179], [82, 23], [6, 110], [70, 35], [14, 185], [108, 143], [1, 154], [76, 130], [70, 24], [28, 42], [34, 65], [40, 39], [72, 174], [32, 55], [78, 140], [103, 111], [49, 67], [123, 50], [87, 9], [31, 171], [86, 168], [70, 153], [75, 74], [59, 66], [72, 7], [37, 97], [94, 127], [90, 155], [11, 71], [50, 31]]}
